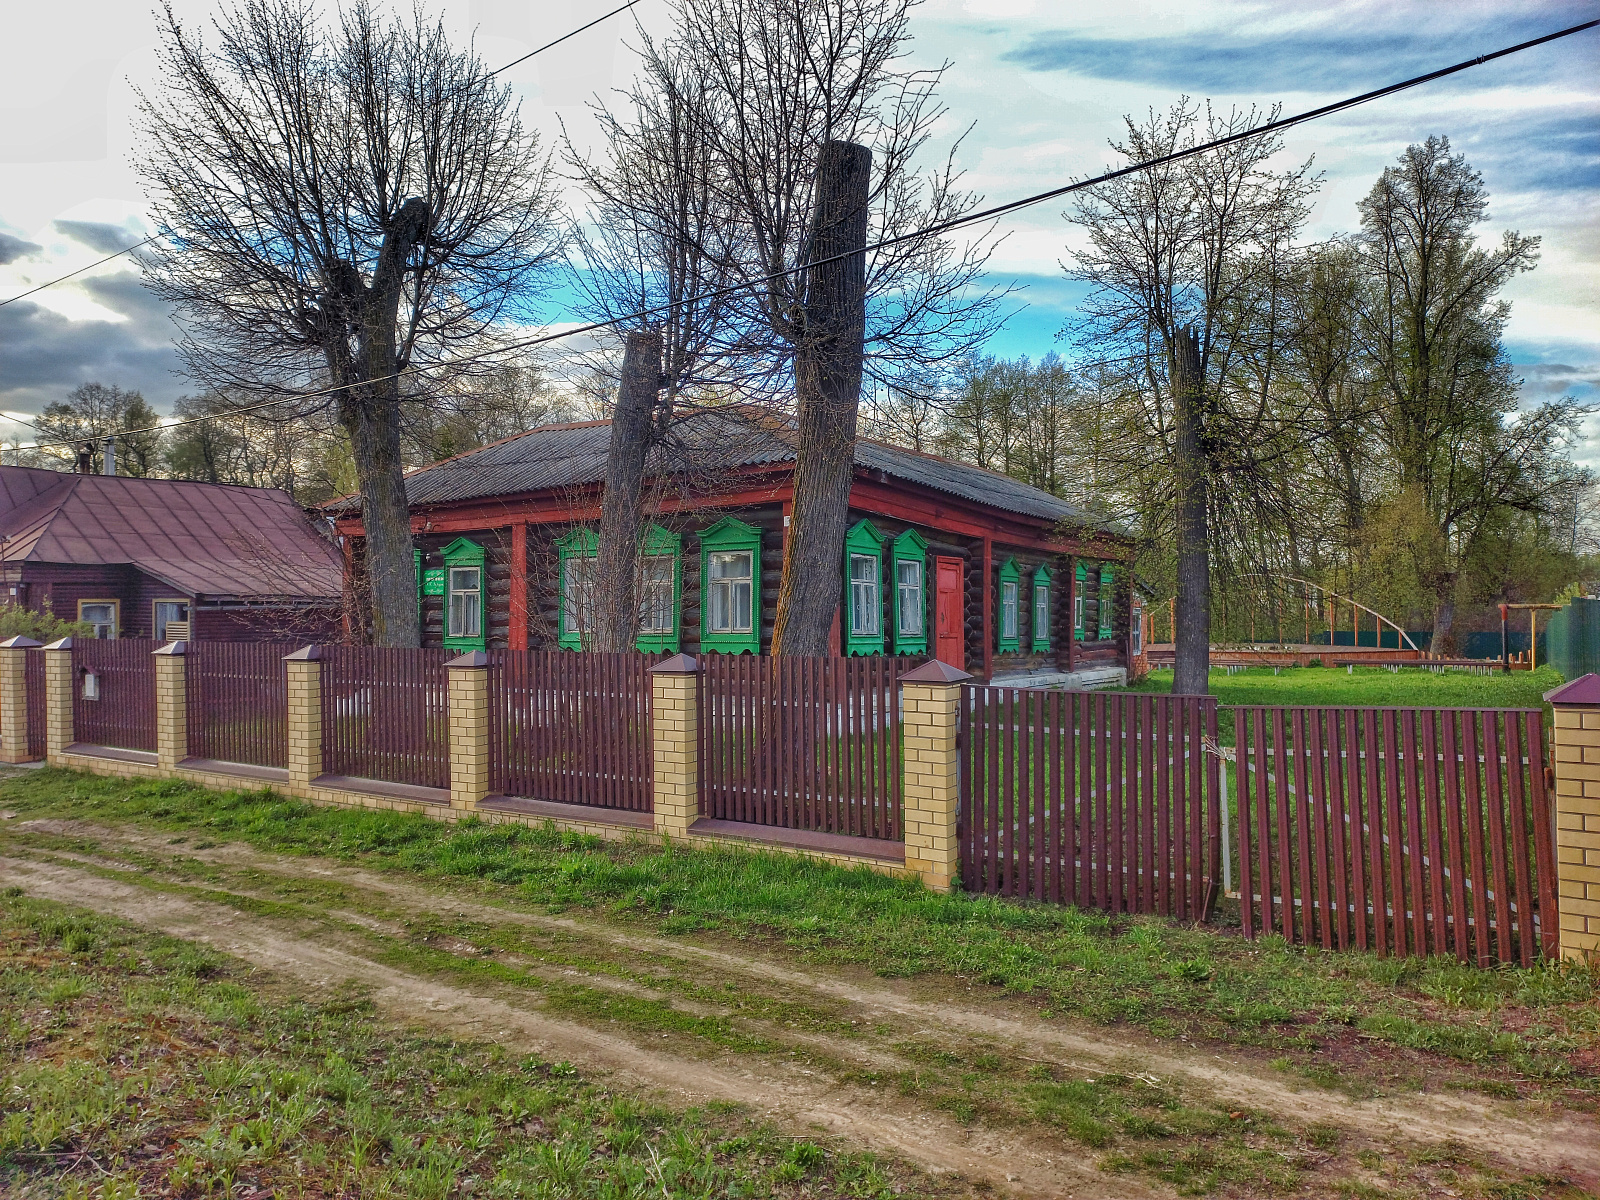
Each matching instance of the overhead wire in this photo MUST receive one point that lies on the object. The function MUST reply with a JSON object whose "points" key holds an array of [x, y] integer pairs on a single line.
{"points": [[978, 217], [490, 75]]}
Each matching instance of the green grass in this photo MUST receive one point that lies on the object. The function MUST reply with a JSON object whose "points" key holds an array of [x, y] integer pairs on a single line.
{"points": [[134, 1064], [1408, 687], [1528, 1026]]}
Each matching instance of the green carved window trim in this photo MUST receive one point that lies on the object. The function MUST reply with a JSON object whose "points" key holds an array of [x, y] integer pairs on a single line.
{"points": [[660, 543], [1107, 597], [910, 546], [730, 536], [863, 541], [1080, 602], [574, 544], [465, 553], [1041, 629], [1009, 591], [416, 567]]}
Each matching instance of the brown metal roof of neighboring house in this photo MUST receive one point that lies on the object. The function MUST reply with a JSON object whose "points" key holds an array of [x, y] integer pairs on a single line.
{"points": [[573, 455], [205, 539]]}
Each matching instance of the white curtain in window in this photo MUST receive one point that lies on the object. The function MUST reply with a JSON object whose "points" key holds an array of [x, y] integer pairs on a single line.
{"points": [[864, 602], [730, 593], [908, 577], [1041, 610], [1008, 609], [466, 602], [578, 601], [655, 594]]}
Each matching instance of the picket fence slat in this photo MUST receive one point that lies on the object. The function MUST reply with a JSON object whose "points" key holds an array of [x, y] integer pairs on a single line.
{"points": [[802, 743], [124, 716], [571, 728], [238, 701], [1100, 799], [1409, 832], [385, 714]]}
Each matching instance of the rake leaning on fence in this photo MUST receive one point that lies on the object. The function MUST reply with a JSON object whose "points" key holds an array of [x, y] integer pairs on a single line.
{"points": [[1401, 831]]}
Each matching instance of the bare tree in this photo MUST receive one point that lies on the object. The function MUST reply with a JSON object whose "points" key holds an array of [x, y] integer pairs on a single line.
{"points": [[91, 411], [1187, 261], [341, 203]]}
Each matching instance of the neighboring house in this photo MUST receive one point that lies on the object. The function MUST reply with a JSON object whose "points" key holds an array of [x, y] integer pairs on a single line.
{"points": [[131, 556], [941, 558]]}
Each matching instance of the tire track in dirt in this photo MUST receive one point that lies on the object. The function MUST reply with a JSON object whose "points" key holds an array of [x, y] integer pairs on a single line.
{"points": [[1007, 1161], [1536, 1139]]}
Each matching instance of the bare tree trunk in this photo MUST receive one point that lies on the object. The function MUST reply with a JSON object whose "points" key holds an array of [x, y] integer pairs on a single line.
{"points": [[622, 506], [1444, 620], [369, 410], [1192, 651], [828, 365]]}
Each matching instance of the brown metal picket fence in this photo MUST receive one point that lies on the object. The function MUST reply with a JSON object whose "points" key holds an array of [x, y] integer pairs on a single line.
{"points": [[238, 697], [385, 714], [1107, 801], [124, 716], [1398, 830], [571, 728], [33, 678], [802, 743]]}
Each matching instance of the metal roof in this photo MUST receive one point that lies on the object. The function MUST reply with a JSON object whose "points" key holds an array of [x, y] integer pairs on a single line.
{"points": [[706, 444], [204, 539]]}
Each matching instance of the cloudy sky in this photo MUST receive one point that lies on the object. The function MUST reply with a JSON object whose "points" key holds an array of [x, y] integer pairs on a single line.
{"points": [[1044, 85]]}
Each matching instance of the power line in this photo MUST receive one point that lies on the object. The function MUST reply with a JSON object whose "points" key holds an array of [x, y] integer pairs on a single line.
{"points": [[490, 75], [987, 214]]}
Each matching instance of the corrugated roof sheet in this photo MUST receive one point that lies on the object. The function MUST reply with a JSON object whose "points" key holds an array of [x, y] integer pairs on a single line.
{"points": [[203, 538], [557, 456]]}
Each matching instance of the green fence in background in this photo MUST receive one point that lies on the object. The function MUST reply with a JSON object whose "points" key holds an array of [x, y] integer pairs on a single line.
{"points": [[1573, 639]]}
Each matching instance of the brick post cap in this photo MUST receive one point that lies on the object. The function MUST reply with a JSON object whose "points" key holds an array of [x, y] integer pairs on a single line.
{"points": [[19, 643], [678, 664], [1585, 689], [935, 671], [471, 659], [64, 644], [304, 654], [173, 650]]}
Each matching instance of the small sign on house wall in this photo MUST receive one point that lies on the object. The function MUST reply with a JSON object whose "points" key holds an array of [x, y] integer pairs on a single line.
{"points": [[433, 581]]}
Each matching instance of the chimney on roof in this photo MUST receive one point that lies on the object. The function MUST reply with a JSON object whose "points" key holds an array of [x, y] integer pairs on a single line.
{"points": [[108, 464], [86, 459]]}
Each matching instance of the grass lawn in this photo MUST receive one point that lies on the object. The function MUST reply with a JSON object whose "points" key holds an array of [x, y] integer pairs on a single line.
{"points": [[1348, 1019], [139, 1065], [1372, 686]]}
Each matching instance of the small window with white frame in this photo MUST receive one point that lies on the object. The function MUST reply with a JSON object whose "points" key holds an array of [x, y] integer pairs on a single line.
{"points": [[728, 581], [1041, 613], [656, 598], [100, 616], [167, 611], [865, 604], [908, 587], [577, 600], [1008, 609], [465, 608]]}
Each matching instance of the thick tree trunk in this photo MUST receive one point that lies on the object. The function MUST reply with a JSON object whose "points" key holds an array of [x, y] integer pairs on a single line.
{"points": [[622, 506], [828, 364], [1444, 620], [369, 411], [1192, 637]]}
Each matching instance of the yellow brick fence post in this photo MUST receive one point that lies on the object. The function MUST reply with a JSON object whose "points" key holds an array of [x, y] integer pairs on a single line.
{"points": [[59, 690], [931, 774], [675, 699], [172, 705], [14, 699], [304, 752], [469, 729], [1577, 812]]}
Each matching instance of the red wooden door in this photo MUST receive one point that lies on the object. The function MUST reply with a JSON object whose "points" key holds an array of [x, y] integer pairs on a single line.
{"points": [[947, 615]]}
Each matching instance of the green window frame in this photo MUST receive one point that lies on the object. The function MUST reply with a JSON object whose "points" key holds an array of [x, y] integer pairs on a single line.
{"points": [[416, 567], [910, 636], [720, 548], [1080, 602], [1107, 600], [863, 580], [466, 615], [576, 554], [1041, 606], [658, 544], [1008, 612]]}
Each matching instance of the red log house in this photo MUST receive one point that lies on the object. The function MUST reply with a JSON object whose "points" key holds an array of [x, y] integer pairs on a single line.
{"points": [[941, 559]]}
